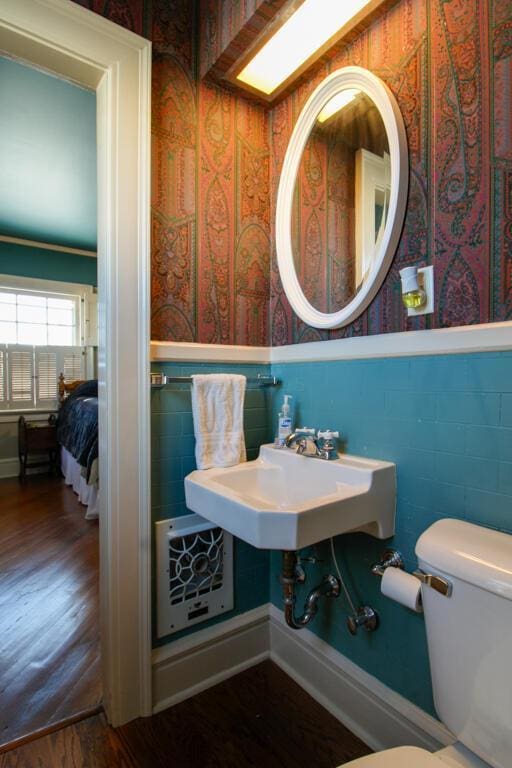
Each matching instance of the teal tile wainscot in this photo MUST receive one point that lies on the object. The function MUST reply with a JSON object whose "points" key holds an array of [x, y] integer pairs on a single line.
{"points": [[172, 458], [446, 421]]}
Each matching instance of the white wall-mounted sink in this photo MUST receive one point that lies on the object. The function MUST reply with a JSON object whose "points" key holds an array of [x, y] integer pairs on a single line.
{"points": [[283, 500]]}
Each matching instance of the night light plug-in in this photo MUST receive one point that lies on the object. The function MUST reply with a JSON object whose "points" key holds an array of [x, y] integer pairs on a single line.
{"points": [[418, 290]]}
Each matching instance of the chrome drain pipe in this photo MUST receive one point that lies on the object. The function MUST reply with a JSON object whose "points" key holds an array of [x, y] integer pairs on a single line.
{"points": [[328, 587]]}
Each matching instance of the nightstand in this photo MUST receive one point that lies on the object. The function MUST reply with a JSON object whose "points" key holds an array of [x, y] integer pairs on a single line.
{"points": [[38, 439]]}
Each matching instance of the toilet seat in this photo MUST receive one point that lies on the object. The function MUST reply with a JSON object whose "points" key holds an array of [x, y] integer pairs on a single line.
{"points": [[454, 756], [401, 757]]}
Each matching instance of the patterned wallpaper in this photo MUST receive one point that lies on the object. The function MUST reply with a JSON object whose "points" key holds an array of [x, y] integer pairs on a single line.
{"points": [[449, 64], [210, 248]]}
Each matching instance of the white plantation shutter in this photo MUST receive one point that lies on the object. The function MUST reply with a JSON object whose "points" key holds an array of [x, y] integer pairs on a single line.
{"points": [[21, 377], [50, 363], [46, 376], [72, 363], [29, 376]]}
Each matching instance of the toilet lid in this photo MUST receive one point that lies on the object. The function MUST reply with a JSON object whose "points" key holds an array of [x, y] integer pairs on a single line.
{"points": [[401, 757]]}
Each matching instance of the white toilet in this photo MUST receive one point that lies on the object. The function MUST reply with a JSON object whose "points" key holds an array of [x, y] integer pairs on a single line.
{"points": [[469, 638]]}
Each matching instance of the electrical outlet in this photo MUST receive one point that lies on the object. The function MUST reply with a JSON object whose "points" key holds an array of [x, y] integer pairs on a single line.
{"points": [[425, 281]]}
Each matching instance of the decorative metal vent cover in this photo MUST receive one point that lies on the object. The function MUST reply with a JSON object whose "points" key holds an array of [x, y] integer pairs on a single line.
{"points": [[194, 572]]}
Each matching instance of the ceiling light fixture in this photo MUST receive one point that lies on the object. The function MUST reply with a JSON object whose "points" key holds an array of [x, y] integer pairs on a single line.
{"points": [[307, 30]]}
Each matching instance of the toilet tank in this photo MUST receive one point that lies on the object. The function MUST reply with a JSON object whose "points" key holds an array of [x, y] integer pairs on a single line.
{"points": [[469, 634]]}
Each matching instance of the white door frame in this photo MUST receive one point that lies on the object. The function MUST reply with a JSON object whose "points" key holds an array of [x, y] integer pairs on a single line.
{"points": [[64, 38]]}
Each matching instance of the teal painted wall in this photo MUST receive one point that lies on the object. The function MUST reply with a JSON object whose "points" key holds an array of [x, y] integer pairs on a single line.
{"points": [[47, 158], [447, 423], [24, 261], [172, 458]]}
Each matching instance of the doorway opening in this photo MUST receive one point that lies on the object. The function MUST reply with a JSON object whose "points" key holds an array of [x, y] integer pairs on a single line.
{"points": [[70, 42], [50, 667]]}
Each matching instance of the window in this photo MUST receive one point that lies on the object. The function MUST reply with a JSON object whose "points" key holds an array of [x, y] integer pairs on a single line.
{"points": [[39, 319], [40, 336]]}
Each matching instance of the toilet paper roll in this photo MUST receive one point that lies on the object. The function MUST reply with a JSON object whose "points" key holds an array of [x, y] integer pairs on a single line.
{"points": [[402, 587]]}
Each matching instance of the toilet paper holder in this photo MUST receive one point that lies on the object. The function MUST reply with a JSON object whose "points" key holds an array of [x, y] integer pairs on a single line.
{"points": [[392, 558]]}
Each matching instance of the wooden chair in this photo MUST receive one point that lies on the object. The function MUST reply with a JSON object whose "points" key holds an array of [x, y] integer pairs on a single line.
{"points": [[37, 439]]}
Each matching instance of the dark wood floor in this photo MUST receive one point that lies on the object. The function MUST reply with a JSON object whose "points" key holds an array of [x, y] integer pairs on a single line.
{"points": [[259, 718], [49, 623]]}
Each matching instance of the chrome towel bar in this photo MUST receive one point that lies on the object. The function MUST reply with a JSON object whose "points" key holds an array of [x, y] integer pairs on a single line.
{"points": [[160, 380]]}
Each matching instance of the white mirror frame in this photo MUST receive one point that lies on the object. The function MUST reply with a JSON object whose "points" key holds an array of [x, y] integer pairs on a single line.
{"points": [[377, 90]]}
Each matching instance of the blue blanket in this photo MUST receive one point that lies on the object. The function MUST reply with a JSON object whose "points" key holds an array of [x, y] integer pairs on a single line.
{"points": [[77, 426]]}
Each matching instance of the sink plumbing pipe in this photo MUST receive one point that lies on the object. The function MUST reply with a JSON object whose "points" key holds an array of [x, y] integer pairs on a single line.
{"points": [[364, 616], [330, 586]]}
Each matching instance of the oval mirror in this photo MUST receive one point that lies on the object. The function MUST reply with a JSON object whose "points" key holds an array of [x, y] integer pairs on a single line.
{"points": [[341, 198]]}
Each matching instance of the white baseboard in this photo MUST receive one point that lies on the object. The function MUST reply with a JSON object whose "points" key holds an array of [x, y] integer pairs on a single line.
{"points": [[188, 666], [9, 468], [377, 714]]}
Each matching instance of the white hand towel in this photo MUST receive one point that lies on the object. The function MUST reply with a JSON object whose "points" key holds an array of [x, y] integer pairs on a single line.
{"points": [[218, 411]]}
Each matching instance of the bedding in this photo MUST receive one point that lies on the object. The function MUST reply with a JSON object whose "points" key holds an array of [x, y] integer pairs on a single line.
{"points": [[88, 493], [77, 427]]}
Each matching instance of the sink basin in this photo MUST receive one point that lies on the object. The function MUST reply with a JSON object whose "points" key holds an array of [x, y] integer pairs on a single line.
{"points": [[283, 500]]}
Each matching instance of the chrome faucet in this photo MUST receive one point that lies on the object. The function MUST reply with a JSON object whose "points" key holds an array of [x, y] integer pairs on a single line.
{"points": [[300, 438], [323, 444]]}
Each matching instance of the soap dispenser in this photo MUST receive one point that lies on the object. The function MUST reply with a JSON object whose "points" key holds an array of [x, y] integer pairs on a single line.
{"points": [[284, 422]]}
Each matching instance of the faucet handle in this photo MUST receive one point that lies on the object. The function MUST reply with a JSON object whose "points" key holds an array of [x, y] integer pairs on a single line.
{"points": [[327, 434], [305, 431], [326, 444]]}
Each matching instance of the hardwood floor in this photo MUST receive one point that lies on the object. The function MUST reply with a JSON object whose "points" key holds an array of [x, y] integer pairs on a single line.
{"points": [[260, 718], [49, 630], [49, 667]]}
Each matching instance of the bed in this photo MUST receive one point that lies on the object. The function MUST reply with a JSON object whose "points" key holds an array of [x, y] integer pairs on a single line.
{"points": [[77, 434]]}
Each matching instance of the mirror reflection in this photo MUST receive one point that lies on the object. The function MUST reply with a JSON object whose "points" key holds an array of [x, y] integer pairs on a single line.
{"points": [[341, 200]]}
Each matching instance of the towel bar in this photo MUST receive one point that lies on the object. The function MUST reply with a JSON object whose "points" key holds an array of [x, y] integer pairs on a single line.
{"points": [[160, 380]]}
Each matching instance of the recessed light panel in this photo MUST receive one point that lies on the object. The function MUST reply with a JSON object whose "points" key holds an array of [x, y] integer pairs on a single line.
{"points": [[312, 24]]}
